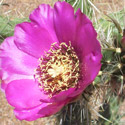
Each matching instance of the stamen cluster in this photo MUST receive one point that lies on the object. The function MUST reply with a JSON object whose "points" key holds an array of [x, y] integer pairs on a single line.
{"points": [[58, 69]]}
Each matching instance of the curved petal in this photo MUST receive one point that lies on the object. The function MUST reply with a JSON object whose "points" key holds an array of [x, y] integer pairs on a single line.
{"points": [[43, 16], [3, 86], [24, 94], [81, 19], [90, 68], [88, 50], [33, 39], [64, 21], [62, 96], [43, 110], [85, 41], [14, 63]]}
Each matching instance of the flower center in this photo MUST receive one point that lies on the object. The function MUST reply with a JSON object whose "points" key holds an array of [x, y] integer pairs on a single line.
{"points": [[58, 69]]}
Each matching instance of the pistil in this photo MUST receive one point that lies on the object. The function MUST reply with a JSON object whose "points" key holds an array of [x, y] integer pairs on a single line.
{"points": [[58, 69]]}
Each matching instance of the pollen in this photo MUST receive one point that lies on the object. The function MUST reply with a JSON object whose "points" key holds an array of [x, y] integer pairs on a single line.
{"points": [[58, 69]]}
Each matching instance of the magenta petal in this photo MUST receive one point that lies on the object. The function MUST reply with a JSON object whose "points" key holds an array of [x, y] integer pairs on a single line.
{"points": [[3, 86], [19, 58], [43, 16], [85, 41], [43, 110], [23, 94], [90, 68], [81, 19], [14, 63], [33, 39], [64, 21], [62, 96]]}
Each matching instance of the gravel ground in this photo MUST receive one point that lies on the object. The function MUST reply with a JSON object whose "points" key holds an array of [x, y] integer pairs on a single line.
{"points": [[22, 8]]}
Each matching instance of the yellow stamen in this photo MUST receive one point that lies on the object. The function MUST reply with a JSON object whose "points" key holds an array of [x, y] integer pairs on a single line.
{"points": [[58, 69]]}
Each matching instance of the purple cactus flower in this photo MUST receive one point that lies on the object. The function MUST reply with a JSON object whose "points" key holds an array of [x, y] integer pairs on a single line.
{"points": [[49, 61]]}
